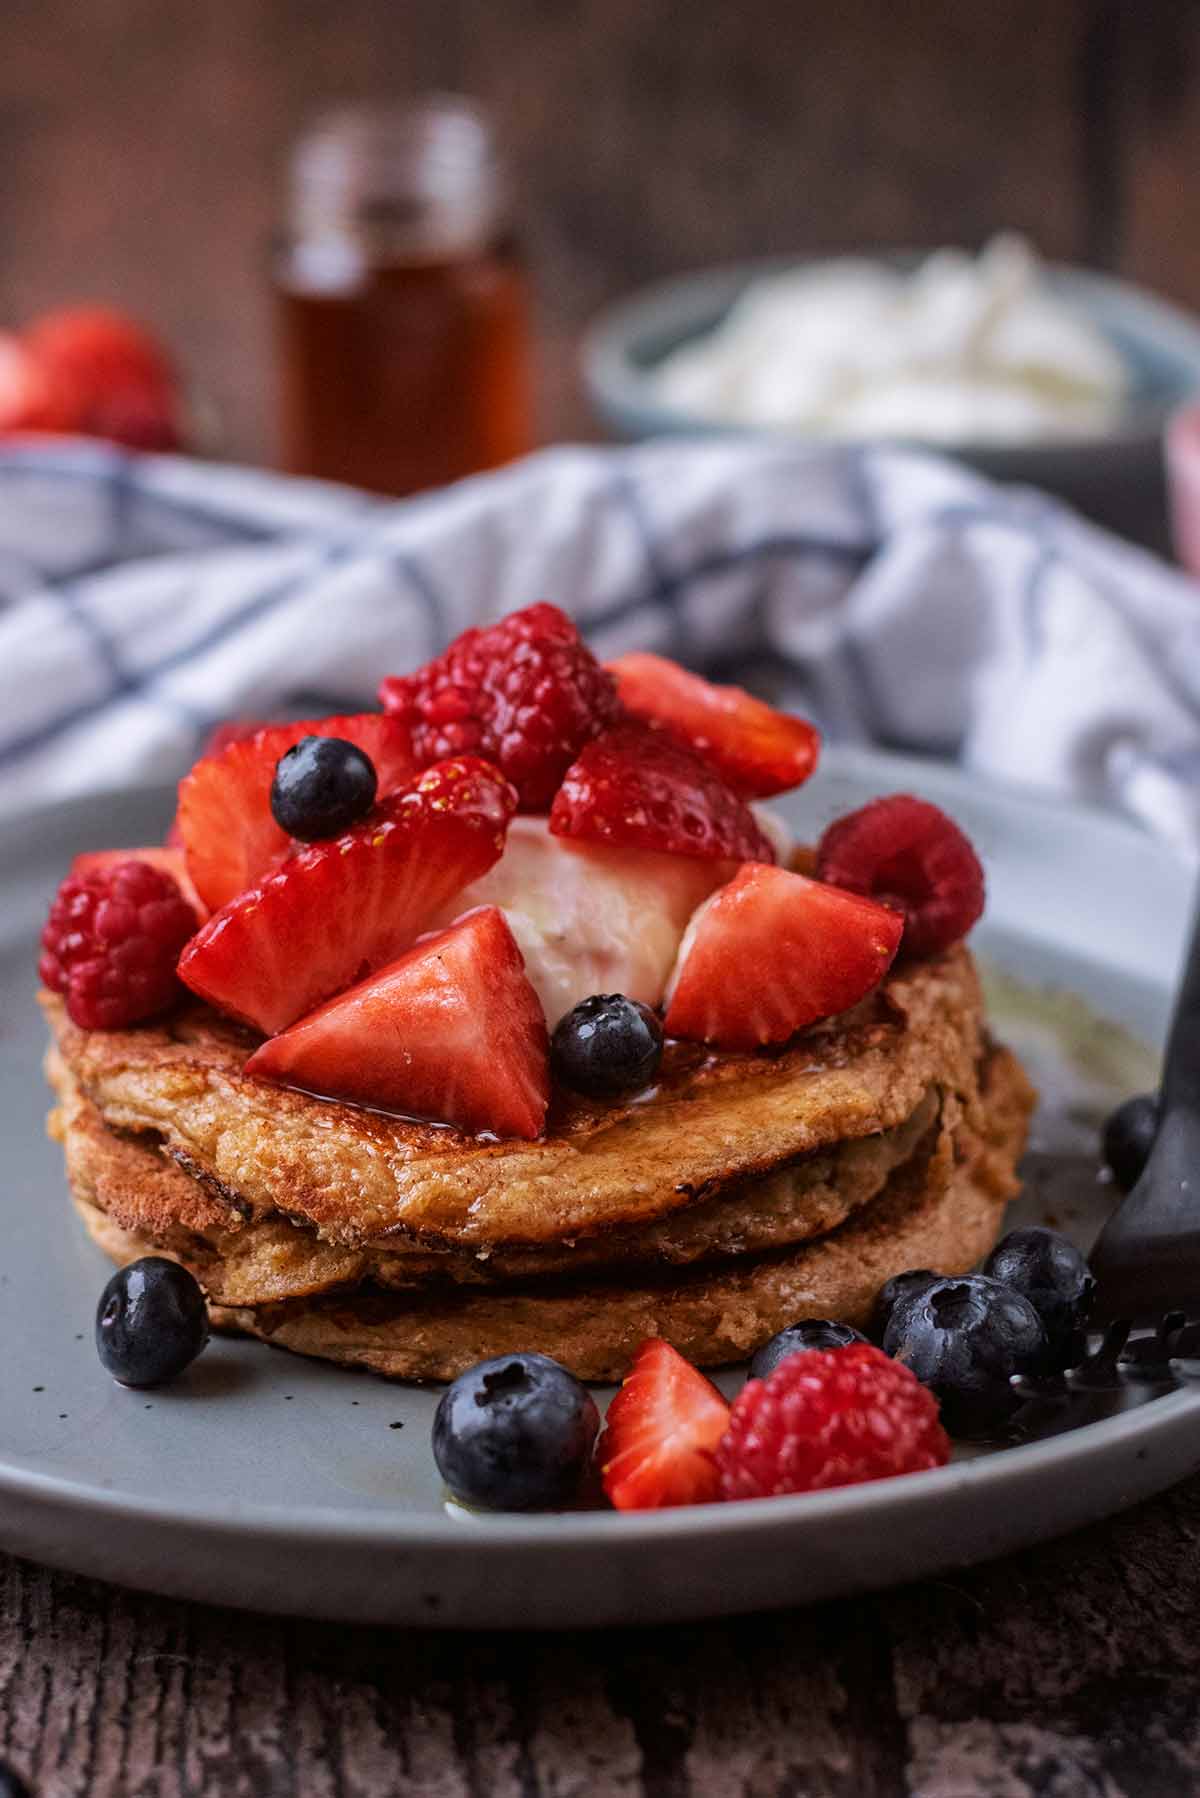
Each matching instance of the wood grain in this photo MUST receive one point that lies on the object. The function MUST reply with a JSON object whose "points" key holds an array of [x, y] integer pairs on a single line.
{"points": [[1073, 1669]]}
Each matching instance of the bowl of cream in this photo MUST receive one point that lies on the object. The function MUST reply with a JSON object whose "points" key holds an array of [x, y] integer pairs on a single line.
{"points": [[1059, 377]]}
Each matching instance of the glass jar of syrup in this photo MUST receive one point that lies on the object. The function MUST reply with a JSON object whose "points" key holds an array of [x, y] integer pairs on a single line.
{"points": [[402, 301]]}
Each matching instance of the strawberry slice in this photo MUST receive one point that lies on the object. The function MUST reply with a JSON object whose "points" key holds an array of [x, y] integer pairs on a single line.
{"points": [[338, 909], [224, 818], [661, 1432], [638, 786], [232, 730], [772, 952], [167, 859], [452, 1030], [758, 750], [911, 856]]}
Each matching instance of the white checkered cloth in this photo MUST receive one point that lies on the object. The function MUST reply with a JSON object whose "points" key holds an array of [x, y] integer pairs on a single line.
{"points": [[896, 598]]}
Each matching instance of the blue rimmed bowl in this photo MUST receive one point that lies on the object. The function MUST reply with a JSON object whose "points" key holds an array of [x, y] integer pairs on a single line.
{"points": [[1116, 475]]}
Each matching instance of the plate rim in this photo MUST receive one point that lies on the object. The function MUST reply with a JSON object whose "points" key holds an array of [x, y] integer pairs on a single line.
{"points": [[573, 1530], [577, 1529]]}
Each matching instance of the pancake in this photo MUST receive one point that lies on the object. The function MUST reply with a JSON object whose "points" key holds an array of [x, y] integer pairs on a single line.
{"points": [[713, 1123], [244, 1260], [942, 1207]]}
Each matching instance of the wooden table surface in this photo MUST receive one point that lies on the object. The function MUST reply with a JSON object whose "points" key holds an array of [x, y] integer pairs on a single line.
{"points": [[1072, 1669]]}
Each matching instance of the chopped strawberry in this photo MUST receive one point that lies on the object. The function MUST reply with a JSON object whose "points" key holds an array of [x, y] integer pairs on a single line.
{"points": [[224, 815], [911, 856], [452, 1030], [329, 915], [758, 750], [232, 730], [32, 398], [772, 952], [639, 787], [526, 693], [167, 858], [120, 379], [661, 1432]]}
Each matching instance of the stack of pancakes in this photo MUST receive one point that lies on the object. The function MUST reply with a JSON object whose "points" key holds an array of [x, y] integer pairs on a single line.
{"points": [[740, 1193]]}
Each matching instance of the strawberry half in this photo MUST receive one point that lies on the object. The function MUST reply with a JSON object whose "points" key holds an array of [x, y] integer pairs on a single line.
{"points": [[452, 1030], [224, 818], [167, 858], [758, 750], [638, 786], [661, 1433], [771, 953], [338, 909]]}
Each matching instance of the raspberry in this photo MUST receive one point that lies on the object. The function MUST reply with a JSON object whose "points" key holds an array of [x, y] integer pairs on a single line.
{"points": [[526, 693], [111, 944], [911, 856], [832, 1417]]}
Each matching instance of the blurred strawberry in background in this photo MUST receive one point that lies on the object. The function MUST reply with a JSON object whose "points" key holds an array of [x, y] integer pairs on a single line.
{"points": [[90, 370], [30, 394]]}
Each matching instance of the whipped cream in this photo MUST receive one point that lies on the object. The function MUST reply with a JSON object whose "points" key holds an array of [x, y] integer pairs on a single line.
{"points": [[592, 918], [960, 349]]}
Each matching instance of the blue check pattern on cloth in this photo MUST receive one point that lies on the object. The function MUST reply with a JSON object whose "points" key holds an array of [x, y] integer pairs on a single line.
{"points": [[895, 597]]}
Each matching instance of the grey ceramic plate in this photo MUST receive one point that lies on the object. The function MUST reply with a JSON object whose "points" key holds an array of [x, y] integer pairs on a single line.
{"points": [[266, 1481]]}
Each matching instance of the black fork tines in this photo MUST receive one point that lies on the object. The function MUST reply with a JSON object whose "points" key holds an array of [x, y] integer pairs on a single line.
{"points": [[1168, 1356]]}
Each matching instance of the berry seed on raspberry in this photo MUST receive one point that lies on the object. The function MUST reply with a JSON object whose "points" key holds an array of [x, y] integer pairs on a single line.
{"points": [[526, 693], [111, 944], [835, 1417], [908, 854]]}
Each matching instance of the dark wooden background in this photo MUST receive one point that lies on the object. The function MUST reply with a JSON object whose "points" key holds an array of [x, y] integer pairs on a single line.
{"points": [[141, 143], [140, 146]]}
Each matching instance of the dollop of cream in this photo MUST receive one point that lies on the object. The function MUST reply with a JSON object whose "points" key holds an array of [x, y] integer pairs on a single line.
{"points": [[960, 349]]}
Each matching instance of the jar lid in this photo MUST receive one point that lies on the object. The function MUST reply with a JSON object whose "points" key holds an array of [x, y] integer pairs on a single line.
{"points": [[417, 178]]}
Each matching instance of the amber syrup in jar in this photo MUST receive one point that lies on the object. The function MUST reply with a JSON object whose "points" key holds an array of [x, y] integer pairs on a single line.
{"points": [[402, 302]]}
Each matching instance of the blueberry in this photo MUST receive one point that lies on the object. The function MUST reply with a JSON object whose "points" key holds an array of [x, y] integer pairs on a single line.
{"points": [[896, 1291], [1052, 1274], [965, 1339], [515, 1434], [151, 1322], [322, 786], [1129, 1137], [798, 1338], [607, 1045], [10, 1785]]}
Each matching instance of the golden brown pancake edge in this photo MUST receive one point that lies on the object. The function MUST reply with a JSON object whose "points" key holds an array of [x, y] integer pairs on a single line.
{"points": [[713, 1122], [943, 1208]]}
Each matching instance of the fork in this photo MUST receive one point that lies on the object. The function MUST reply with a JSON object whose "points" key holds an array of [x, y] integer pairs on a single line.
{"points": [[1147, 1259]]}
